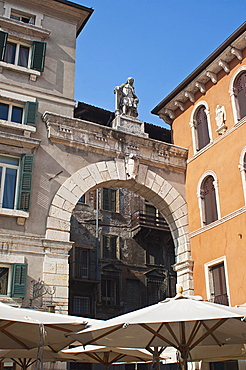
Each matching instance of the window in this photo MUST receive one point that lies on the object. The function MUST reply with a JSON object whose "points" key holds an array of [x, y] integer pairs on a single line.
{"points": [[109, 246], [15, 182], [201, 125], [209, 203], [108, 290], [109, 199], [240, 95], [22, 17], [81, 263], [242, 168], [133, 295], [22, 55], [156, 290], [23, 114], [218, 284], [13, 280], [81, 305]]}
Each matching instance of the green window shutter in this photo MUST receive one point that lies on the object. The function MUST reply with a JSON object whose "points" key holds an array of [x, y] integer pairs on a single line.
{"points": [[3, 41], [19, 277], [31, 112], [38, 55], [25, 182]]}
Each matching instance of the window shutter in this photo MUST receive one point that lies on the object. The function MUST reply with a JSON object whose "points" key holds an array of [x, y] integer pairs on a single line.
{"points": [[3, 41], [19, 277], [240, 92], [93, 264], [210, 205], [31, 111], [38, 55], [25, 182], [202, 128]]}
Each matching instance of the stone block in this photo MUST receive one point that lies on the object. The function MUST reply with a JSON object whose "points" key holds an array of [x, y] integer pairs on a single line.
{"points": [[84, 173], [56, 279], [142, 172], [69, 184], [57, 235], [58, 201], [90, 182], [121, 169], [164, 189], [102, 166], [59, 213], [111, 166], [149, 180], [95, 173], [62, 267], [49, 267], [54, 223], [68, 206], [67, 195]]}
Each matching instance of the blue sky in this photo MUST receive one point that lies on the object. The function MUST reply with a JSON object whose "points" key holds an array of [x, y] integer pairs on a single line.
{"points": [[157, 42]]}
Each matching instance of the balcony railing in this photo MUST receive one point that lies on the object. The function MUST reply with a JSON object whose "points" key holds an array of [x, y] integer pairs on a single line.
{"points": [[144, 220]]}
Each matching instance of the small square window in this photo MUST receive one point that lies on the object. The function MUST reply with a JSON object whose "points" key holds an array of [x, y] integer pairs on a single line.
{"points": [[22, 17]]}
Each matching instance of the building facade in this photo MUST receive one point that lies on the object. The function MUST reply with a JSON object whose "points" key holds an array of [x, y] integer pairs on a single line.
{"points": [[50, 159], [207, 115]]}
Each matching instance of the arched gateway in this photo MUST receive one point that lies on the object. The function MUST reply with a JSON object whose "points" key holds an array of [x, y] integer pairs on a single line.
{"points": [[150, 168]]}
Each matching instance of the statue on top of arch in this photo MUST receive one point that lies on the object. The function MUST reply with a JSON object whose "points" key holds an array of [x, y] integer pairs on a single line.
{"points": [[126, 101]]}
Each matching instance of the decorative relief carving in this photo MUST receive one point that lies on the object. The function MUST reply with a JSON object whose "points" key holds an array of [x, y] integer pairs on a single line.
{"points": [[220, 119]]}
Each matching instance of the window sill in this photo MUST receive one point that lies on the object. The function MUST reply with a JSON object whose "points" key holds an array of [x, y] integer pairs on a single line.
{"points": [[24, 28], [21, 216], [18, 126], [33, 75]]}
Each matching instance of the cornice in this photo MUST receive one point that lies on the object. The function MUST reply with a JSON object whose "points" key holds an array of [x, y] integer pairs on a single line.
{"points": [[82, 134], [197, 80]]}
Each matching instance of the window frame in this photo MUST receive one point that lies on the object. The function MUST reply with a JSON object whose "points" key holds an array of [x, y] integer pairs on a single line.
{"points": [[18, 45], [200, 200], [234, 103], [17, 280], [110, 237], [9, 266], [112, 203], [192, 125], [10, 110], [88, 303], [17, 13], [113, 301], [209, 278], [2, 181]]}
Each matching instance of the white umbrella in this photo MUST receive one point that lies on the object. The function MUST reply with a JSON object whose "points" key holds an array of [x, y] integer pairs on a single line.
{"points": [[22, 328], [27, 357], [180, 322], [108, 355]]}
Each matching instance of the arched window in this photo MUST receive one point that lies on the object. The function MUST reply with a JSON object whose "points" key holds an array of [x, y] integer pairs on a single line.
{"points": [[208, 198], [201, 124], [240, 95]]}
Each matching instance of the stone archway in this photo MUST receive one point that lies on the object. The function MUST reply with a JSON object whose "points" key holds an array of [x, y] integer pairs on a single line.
{"points": [[139, 178]]}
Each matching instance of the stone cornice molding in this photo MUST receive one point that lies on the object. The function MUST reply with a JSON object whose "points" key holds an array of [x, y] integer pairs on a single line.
{"points": [[210, 72], [82, 134]]}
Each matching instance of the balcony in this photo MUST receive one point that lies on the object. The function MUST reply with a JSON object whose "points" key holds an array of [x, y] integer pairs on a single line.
{"points": [[139, 219]]}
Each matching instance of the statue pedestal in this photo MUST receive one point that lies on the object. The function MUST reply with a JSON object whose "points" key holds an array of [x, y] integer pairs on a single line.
{"points": [[129, 124]]}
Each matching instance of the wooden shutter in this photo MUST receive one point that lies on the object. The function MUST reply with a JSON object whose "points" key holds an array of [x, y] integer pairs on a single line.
{"points": [[31, 111], [209, 199], [19, 277], [219, 284], [240, 93], [202, 128], [25, 182], [38, 55], [3, 41]]}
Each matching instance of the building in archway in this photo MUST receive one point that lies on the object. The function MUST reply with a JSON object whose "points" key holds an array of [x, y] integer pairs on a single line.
{"points": [[207, 113], [49, 159]]}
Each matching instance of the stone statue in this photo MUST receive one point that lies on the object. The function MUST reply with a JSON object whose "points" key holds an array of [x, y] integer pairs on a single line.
{"points": [[220, 118], [220, 115], [126, 100]]}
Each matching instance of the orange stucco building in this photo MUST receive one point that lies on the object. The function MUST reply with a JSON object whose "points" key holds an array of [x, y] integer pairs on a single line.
{"points": [[207, 114]]}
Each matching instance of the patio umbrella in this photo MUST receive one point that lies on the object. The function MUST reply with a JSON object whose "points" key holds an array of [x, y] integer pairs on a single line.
{"points": [[22, 328], [27, 357], [181, 322], [108, 355]]}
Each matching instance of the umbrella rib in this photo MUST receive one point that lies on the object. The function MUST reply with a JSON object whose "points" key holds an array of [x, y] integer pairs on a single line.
{"points": [[6, 325], [103, 335], [156, 334], [194, 332], [211, 330], [212, 334], [52, 326], [15, 339]]}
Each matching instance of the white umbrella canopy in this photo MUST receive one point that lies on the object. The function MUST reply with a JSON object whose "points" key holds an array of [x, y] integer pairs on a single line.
{"points": [[181, 322], [27, 357], [22, 328], [108, 355]]}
